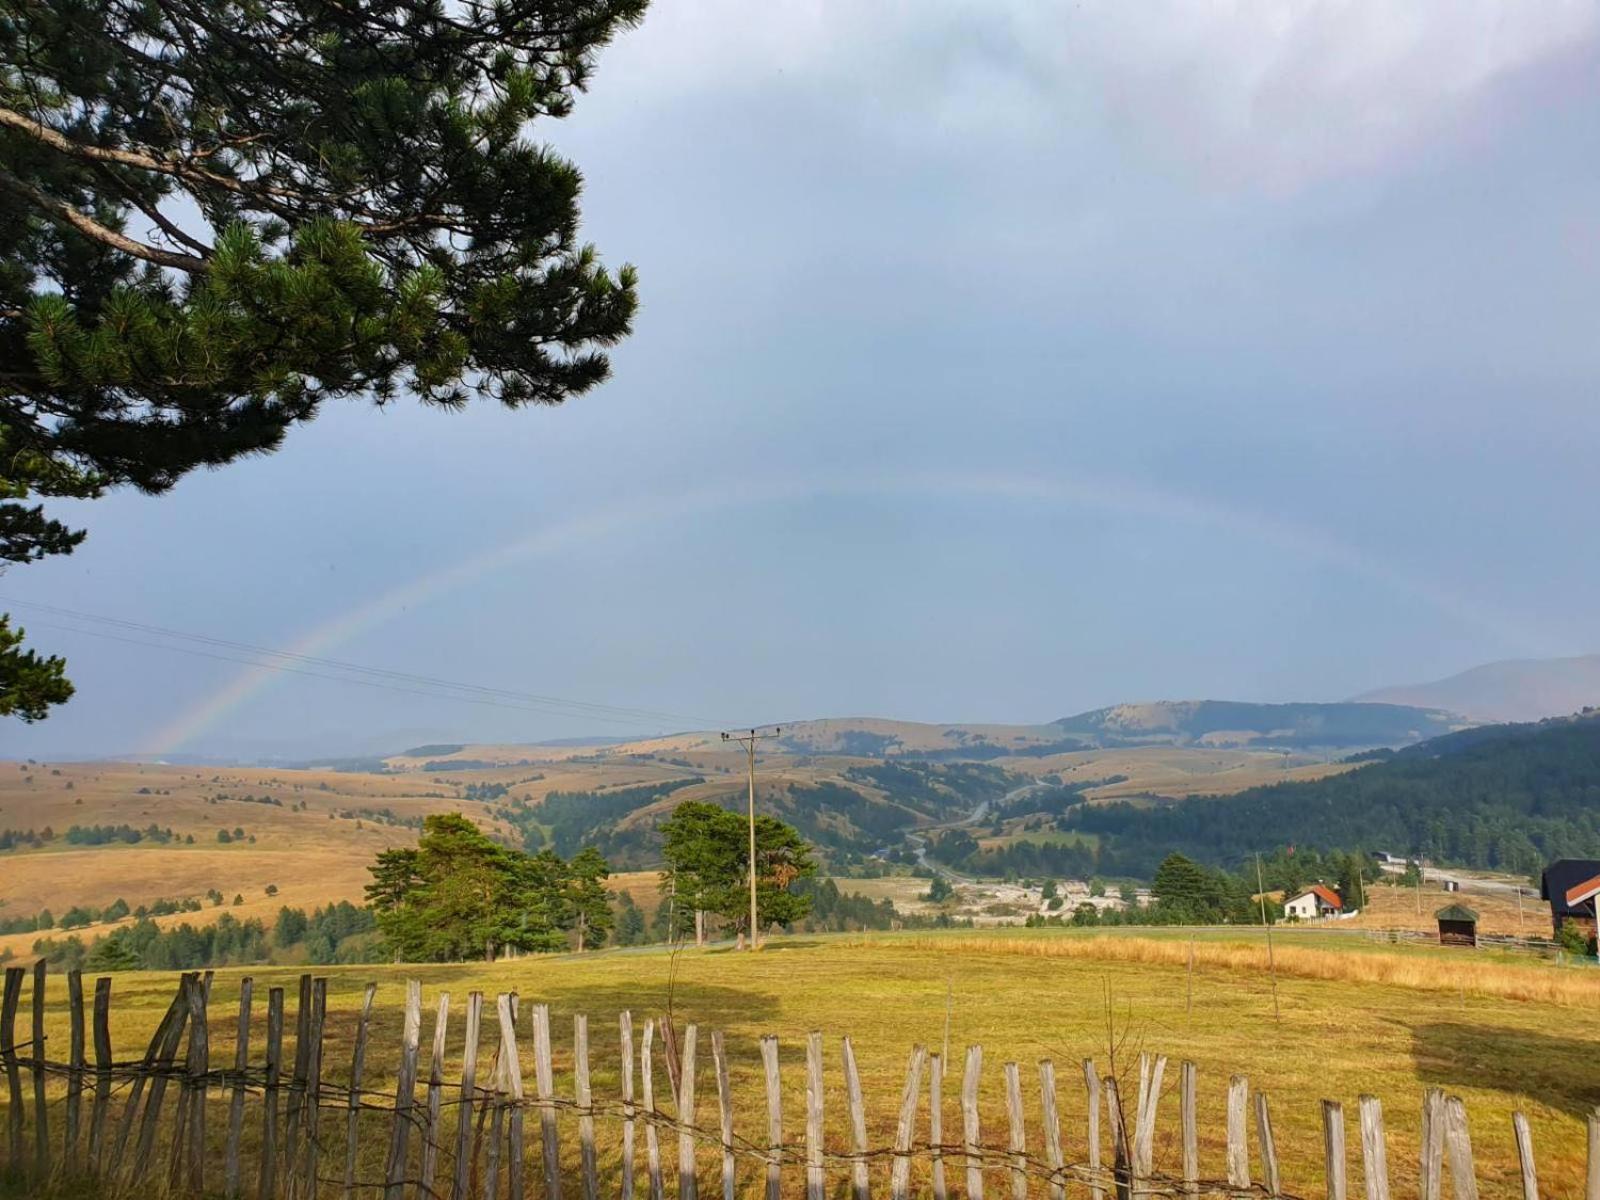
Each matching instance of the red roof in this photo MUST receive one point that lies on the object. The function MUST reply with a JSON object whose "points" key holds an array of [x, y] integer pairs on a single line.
{"points": [[1325, 894], [1576, 895]]}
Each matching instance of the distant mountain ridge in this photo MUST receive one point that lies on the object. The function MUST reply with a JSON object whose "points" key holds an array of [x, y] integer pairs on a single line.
{"points": [[1523, 689], [1261, 726]]}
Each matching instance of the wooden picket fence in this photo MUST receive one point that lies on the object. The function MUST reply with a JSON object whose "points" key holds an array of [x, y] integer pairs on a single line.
{"points": [[307, 1132]]}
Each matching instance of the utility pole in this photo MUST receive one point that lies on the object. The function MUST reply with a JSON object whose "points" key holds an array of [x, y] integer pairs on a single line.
{"points": [[749, 740]]}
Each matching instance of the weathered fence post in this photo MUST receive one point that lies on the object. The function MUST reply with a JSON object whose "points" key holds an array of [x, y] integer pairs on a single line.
{"points": [[1591, 1181], [469, 1090], [1269, 1146], [1333, 1153], [652, 1144], [719, 1061], [859, 1176], [583, 1093], [971, 1131], [76, 1070], [241, 1066], [544, 1083], [687, 1183], [358, 1063], [430, 1128], [297, 1086], [404, 1093], [511, 1066], [1432, 1149], [1122, 1171], [769, 1068], [625, 1029], [1238, 1139], [266, 1184], [1052, 1129], [194, 1087], [160, 1069], [1091, 1084], [1190, 1132], [313, 1150], [816, 1175], [1530, 1177], [1144, 1136], [1374, 1153], [936, 1124], [41, 1112], [8, 1052], [102, 1071], [1018, 1134], [906, 1128], [1458, 1144]]}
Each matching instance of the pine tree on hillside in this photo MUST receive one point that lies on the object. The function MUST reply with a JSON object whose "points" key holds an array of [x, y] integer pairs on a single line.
{"points": [[221, 214]]}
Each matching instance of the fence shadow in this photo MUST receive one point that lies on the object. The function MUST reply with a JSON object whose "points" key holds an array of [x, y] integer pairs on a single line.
{"points": [[1558, 1071]]}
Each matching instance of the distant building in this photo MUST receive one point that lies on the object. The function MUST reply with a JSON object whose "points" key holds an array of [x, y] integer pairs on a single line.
{"points": [[1571, 885], [1458, 925], [1316, 901]]}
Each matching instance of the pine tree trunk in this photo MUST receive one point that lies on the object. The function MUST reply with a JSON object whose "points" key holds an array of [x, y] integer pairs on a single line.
{"points": [[581, 923], [699, 927]]}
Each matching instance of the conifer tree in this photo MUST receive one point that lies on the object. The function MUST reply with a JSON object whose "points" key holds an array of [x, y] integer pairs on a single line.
{"points": [[222, 214]]}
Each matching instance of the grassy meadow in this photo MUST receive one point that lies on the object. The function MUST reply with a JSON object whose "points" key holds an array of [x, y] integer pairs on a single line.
{"points": [[1353, 1017]]}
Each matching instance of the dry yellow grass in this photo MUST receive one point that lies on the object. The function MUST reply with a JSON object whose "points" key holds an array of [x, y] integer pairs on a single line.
{"points": [[1330, 955], [1392, 907], [1345, 1029]]}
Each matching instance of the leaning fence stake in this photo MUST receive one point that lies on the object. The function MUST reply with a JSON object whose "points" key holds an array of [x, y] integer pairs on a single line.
{"points": [[687, 1183], [404, 1093], [241, 1065], [76, 1071], [1430, 1170], [430, 1128], [719, 1060], [1333, 1148], [1238, 1147], [1374, 1154], [166, 1055], [358, 1063], [266, 1187], [469, 1094], [585, 1098], [1187, 1076], [295, 1107], [8, 1052], [1122, 1170], [102, 1072], [971, 1132], [1145, 1121], [1052, 1129], [1019, 1135], [936, 1124], [41, 1113], [625, 1027], [196, 1069], [769, 1068], [652, 1143], [511, 1070], [1091, 1083], [1458, 1143], [313, 1153], [861, 1182], [544, 1084], [1269, 1146], [1530, 1177], [816, 1176], [906, 1128]]}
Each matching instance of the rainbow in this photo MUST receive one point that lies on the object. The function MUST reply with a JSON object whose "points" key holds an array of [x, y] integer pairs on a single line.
{"points": [[1098, 492]]}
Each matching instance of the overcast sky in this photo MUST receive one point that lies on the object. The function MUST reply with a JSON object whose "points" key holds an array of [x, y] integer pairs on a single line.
{"points": [[995, 361]]}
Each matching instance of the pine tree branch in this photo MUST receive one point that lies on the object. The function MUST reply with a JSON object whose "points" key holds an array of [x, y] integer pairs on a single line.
{"points": [[64, 213]]}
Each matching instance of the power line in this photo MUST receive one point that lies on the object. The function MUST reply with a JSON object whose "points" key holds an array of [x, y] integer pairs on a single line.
{"points": [[338, 670]]}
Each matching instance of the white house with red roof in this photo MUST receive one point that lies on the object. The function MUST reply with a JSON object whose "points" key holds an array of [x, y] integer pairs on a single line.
{"points": [[1313, 903]]}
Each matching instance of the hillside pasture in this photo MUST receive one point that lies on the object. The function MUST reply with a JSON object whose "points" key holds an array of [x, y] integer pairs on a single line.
{"points": [[1352, 1018]]}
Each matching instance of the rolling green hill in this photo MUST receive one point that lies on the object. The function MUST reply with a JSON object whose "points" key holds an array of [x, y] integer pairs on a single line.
{"points": [[1509, 797]]}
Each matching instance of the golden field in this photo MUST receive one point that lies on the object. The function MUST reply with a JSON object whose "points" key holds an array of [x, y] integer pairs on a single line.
{"points": [[1505, 1034]]}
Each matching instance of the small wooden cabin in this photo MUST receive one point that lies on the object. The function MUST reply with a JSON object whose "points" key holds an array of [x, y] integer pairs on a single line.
{"points": [[1458, 926]]}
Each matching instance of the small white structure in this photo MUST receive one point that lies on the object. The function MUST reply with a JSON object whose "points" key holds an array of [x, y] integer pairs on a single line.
{"points": [[1313, 904]]}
